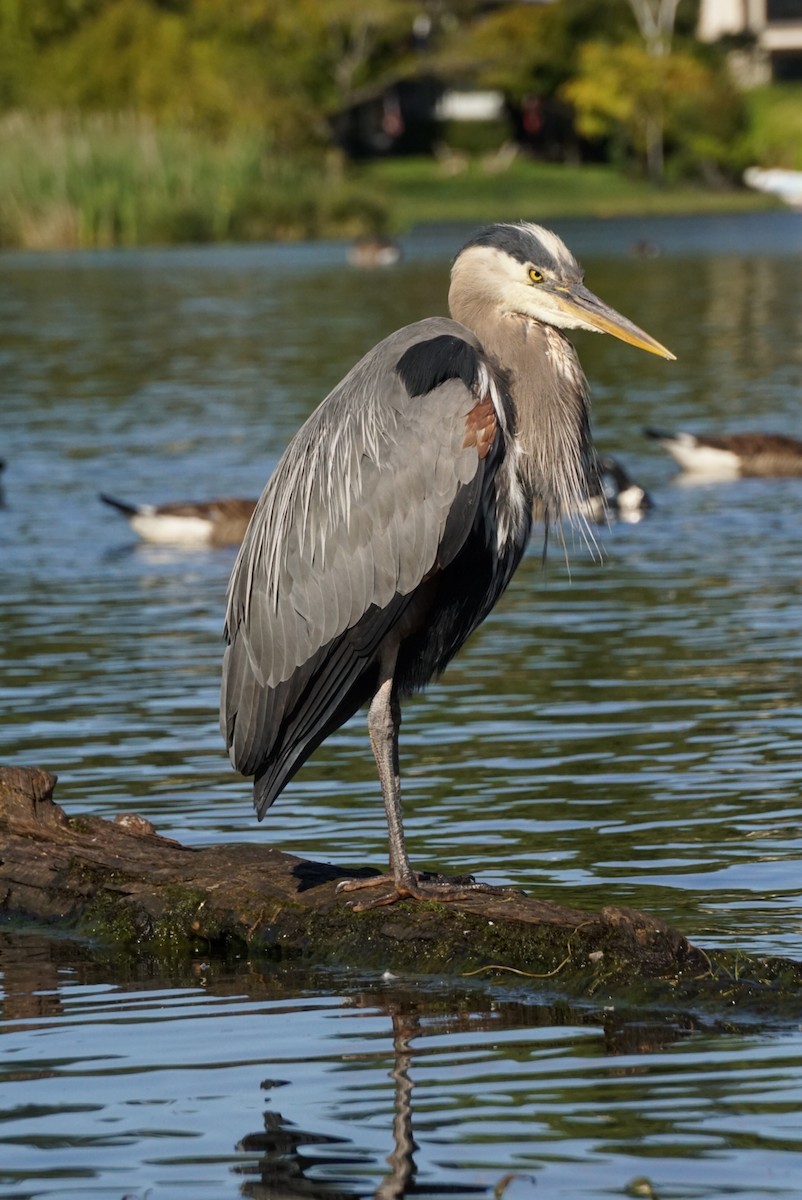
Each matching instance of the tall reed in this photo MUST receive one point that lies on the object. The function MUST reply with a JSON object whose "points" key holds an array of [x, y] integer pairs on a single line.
{"points": [[98, 180]]}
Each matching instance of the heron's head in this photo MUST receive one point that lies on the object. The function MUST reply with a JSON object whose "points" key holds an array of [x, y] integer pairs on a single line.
{"points": [[527, 271]]}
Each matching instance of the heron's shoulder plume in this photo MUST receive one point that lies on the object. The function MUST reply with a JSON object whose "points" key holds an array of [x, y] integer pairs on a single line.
{"points": [[427, 364]]}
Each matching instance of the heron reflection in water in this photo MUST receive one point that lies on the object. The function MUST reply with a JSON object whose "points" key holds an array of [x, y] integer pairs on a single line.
{"points": [[399, 513]]}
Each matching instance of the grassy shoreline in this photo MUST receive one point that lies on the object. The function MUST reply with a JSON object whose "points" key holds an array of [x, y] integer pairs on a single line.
{"points": [[118, 180], [422, 192]]}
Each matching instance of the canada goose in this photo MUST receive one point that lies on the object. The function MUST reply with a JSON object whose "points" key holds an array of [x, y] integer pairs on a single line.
{"points": [[730, 455], [618, 496], [193, 523], [374, 251]]}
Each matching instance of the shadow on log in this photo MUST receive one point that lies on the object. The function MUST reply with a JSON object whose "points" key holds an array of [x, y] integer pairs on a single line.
{"points": [[122, 884]]}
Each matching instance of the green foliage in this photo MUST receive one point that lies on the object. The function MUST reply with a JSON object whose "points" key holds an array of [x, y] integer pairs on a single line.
{"points": [[283, 66], [774, 137], [16, 53], [634, 98], [529, 48], [140, 58], [121, 180]]}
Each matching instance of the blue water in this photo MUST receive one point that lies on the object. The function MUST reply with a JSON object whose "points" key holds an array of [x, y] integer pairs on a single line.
{"points": [[624, 729]]}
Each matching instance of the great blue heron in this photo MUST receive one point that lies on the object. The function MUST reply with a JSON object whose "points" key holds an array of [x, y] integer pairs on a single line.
{"points": [[188, 523], [730, 455], [400, 510]]}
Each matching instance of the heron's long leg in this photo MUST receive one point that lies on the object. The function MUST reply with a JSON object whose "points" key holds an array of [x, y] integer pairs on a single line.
{"points": [[384, 722]]}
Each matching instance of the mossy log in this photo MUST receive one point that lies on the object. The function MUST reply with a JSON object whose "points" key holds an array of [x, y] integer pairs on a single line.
{"points": [[120, 882]]}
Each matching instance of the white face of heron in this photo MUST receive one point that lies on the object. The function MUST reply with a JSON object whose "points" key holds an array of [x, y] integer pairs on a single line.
{"points": [[527, 271], [533, 288]]}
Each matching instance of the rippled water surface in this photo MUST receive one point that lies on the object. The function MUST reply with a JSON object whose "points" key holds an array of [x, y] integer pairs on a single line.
{"points": [[623, 729]]}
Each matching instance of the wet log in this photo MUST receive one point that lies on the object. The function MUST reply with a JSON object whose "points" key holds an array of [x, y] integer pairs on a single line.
{"points": [[123, 884]]}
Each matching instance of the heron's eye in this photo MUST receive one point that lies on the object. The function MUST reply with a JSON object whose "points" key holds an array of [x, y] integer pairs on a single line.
{"points": [[535, 275]]}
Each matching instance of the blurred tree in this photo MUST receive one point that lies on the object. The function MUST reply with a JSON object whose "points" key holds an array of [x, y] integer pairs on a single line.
{"points": [[133, 55], [656, 20], [331, 53], [283, 65], [530, 51], [624, 92], [285, 68], [527, 48], [16, 53]]}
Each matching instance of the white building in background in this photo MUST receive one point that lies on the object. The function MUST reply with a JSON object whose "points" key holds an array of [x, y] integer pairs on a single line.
{"points": [[456, 105], [774, 26], [724, 18]]}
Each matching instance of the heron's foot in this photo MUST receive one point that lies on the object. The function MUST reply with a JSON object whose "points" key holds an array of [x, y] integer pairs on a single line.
{"points": [[421, 885]]}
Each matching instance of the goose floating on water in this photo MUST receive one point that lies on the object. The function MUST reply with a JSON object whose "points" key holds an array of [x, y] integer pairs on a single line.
{"points": [[191, 523], [729, 456], [618, 495], [374, 251]]}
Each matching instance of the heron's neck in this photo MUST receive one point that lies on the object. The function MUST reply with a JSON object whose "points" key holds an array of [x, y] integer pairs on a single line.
{"points": [[550, 398]]}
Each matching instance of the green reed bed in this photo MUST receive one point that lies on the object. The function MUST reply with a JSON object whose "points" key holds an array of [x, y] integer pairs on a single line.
{"points": [[119, 180]]}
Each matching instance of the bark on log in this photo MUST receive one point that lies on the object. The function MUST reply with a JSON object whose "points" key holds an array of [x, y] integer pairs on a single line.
{"points": [[122, 883]]}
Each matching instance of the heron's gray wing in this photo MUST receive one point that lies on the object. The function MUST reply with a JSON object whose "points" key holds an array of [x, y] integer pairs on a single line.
{"points": [[375, 492], [276, 729]]}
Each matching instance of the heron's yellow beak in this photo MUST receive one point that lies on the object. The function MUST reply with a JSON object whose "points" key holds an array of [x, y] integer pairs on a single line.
{"points": [[588, 311]]}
